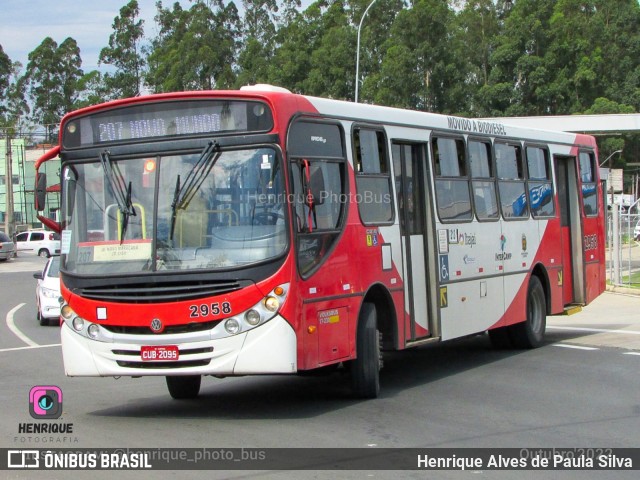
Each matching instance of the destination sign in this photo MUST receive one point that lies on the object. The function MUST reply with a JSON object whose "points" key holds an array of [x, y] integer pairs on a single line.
{"points": [[166, 119]]}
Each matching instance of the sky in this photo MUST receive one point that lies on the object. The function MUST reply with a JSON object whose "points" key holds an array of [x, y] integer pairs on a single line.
{"points": [[24, 24]]}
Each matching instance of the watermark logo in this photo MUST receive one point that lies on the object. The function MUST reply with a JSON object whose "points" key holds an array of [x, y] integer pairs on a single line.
{"points": [[45, 402], [23, 459]]}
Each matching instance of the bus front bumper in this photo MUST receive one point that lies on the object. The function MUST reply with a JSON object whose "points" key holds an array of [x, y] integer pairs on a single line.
{"points": [[267, 349]]}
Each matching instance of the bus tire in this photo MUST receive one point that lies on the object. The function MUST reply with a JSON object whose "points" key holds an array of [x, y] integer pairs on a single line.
{"points": [[365, 368], [530, 333], [184, 387]]}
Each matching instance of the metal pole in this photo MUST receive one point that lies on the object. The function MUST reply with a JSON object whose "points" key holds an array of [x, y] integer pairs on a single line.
{"points": [[358, 49], [8, 221], [615, 256]]}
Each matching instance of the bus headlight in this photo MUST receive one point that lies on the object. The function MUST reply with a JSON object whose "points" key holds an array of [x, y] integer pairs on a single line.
{"points": [[82, 326], [252, 317], [78, 324], [93, 331], [272, 304], [255, 316], [232, 326]]}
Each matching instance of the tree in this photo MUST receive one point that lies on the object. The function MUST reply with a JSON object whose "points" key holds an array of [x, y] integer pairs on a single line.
{"points": [[5, 81], [609, 144], [332, 60], [295, 39], [375, 32], [125, 54], [558, 57], [475, 31], [419, 68], [195, 49], [44, 85], [13, 105], [620, 44], [91, 90], [69, 59], [258, 43], [51, 80], [519, 78]]}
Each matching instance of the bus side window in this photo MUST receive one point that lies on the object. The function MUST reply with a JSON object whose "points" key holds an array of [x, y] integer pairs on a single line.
{"points": [[589, 184], [373, 179], [540, 184], [452, 181], [510, 170], [483, 180]]}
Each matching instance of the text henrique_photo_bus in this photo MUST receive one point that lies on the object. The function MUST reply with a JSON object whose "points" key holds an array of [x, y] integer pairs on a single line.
{"points": [[259, 231]]}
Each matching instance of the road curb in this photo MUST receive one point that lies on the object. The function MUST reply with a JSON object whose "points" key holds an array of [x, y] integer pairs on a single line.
{"points": [[623, 290]]}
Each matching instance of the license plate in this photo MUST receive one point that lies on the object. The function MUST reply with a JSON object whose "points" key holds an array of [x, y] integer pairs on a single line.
{"points": [[155, 353]]}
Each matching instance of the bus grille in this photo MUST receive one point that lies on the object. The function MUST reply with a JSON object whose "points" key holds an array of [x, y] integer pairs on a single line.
{"points": [[160, 292], [156, 365], [169, 329]]}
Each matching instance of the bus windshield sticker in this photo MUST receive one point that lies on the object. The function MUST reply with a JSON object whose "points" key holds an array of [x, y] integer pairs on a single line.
{"points": [[443, 241], [114, 251], [65, 242]]}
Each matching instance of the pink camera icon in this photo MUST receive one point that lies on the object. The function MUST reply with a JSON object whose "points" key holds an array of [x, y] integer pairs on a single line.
{"points": [[45, 401]]}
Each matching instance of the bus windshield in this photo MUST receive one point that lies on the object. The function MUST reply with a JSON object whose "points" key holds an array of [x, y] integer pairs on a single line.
{"points": [[212, 210]]}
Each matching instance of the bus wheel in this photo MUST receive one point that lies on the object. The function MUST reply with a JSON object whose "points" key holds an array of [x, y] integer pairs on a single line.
{"points": [[365, 369], [184, 387], [530, 333]]}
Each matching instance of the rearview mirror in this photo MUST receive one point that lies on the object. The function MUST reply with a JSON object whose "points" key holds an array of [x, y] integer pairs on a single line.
{"points": [[41, 191]]}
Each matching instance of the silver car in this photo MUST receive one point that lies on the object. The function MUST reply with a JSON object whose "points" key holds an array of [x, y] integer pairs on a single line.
{"points": [[7, 247]]}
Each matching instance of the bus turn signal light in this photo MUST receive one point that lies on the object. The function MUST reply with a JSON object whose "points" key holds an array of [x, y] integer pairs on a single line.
{"points": [[149, 166]]}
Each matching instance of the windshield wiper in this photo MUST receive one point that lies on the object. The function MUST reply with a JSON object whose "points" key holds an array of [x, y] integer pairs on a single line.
{"points": [[183, 194], [120, 191]]}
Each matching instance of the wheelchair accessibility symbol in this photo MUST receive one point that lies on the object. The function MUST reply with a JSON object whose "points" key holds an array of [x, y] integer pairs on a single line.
{"points": [[444, 268]]}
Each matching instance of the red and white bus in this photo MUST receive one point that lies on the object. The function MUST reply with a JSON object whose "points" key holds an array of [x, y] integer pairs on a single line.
{"points": [[262, 232]]}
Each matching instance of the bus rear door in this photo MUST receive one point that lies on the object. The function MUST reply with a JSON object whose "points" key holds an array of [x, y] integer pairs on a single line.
{"points": [[409, 169], [571, 230]]}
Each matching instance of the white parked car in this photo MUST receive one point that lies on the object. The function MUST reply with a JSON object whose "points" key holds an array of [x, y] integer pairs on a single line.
{"points": [[39, 242], [48, 292]]}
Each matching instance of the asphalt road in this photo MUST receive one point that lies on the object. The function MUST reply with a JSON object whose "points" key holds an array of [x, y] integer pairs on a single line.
{"points": [[581, 389]]}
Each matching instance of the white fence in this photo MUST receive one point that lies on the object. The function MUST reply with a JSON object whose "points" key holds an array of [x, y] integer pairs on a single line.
{"points": [[623, 246]]}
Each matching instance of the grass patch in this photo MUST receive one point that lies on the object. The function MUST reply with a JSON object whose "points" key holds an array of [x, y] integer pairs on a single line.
{"points": [[632, 280]]}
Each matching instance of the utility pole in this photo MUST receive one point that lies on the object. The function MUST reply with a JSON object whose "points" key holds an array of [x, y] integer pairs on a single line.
{"points": [[8, 221]]}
